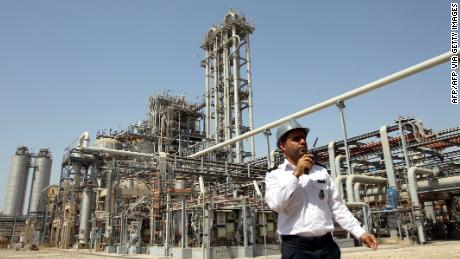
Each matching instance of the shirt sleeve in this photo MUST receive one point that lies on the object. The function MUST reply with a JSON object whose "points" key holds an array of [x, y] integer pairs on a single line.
{"points": [[341, 214], [278, 191]]}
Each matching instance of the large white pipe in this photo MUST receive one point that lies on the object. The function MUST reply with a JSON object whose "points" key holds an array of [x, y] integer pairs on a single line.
{"points": [[338, 184], [362, 179], [412, 183], [387, 156], [83, 140], [115, 152], [348, 95], [338, 159]]}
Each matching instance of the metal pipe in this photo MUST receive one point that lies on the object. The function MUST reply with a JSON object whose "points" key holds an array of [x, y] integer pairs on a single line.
{"points": [[236, 94], [341, 105], [331, 152], [412, 184], [83, 140], [356, 188], [250, 99], [227, 118], [267, 134], [345, 96], [337, 164], [217, 103], [115, 152], [387, 157], [403, 142], [207, 98], [363, 179], [338, 184]]}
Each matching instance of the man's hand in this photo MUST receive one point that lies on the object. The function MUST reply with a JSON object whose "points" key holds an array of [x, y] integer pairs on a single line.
{"points": [[304, 164], [369, 240]]}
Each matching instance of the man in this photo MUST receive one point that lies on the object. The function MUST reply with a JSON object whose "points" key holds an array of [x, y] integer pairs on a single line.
{"points": [[307, 201]]}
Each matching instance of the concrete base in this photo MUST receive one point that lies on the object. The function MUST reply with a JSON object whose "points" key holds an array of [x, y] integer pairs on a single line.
{"points": [[231, 252], [259, 249], [181, 253], [156, 251], [122, 250], [132, 250], [111, 249]]}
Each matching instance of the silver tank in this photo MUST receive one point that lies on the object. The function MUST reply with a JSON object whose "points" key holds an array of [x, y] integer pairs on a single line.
{"points": [[110, 143], [85, 216], [17, 182], [41, 178]]}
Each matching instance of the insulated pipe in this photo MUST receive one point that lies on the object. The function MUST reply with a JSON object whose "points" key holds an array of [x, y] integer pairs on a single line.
{"points": [[356, 188], [217, 102], [348, 95], [362, 179], [387, 157], [337, 164], [207, 98], [331, 151], [250, 99], [115, 152], [236, 94], [338, 184], [83, 140], [227, 110], [412, 183]]}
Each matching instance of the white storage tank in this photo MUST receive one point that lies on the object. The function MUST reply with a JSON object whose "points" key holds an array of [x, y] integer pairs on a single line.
{"points": [[17, 182], [109, 143], [41, 178]]}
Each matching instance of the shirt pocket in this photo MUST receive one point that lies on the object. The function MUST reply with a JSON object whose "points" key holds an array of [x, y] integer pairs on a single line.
{"points": [[320, 190]]}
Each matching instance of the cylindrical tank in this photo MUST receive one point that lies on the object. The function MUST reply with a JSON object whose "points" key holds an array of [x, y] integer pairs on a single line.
{"points": [[110, 143], [144, 146], [85, 216], [17, 182], [41, 178]]}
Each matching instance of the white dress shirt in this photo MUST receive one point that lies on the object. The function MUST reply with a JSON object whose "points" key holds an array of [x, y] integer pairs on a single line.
{"points": [[307, 205]]}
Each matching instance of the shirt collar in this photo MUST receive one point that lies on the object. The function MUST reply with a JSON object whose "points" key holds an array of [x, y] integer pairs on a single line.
{"points": [[286, 166]]}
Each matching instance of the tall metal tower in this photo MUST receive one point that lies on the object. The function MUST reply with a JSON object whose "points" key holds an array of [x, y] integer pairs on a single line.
{"points": [[228, 84]]}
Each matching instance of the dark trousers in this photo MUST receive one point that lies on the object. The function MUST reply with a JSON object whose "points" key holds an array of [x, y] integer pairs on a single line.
{"points": [[297, 247]]}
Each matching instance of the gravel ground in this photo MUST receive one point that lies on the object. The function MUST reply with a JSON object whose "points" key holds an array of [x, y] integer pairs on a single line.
{"points": [[445, 250]]}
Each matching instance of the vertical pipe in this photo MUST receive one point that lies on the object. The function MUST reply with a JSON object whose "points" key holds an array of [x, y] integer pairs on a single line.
{"points": [[236, 94], [403, 142], [245, 230], [217, 83], [108, 191], [331, 151], [267, 134], [207, 96], [226, 79], [167, 224], [387, 157], [341, 106], [184, 226], [250, 99]]}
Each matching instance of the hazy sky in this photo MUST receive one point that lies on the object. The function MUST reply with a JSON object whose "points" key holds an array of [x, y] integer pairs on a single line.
{"points": [[71, 66]]}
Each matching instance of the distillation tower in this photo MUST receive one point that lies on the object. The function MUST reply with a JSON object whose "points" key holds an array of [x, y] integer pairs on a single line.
{"points": [[228, 84]]}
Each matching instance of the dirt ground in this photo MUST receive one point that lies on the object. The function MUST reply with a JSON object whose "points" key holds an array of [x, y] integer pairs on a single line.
{"points": [[445, 250]]}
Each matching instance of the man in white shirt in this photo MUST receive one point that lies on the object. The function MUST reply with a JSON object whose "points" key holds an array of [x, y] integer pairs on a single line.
{"points": [[306, 200]]}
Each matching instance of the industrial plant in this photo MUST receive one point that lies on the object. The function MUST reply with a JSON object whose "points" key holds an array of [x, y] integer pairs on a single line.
{"points": [[158, 187]]}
